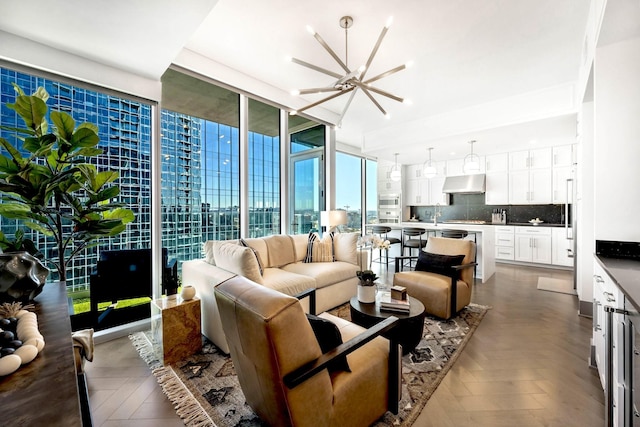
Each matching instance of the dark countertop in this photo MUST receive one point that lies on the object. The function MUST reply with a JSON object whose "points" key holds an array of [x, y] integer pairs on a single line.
{"points": [[626, 274], [45, 391]]}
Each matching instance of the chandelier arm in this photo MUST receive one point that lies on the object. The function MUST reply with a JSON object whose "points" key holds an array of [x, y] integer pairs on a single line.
{"points": [[317, 90], [316, 68], [379, 91], [366, 92], [328, 98], [331, 52], [386, 73], [346, 107], [374, 51]]}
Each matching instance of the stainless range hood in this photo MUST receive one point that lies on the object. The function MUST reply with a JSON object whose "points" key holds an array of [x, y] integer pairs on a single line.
{"points": [[465, 184]]}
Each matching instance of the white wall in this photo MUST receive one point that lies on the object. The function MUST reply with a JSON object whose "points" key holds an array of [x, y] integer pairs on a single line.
{"points": [[617, 141], [584, 204]]}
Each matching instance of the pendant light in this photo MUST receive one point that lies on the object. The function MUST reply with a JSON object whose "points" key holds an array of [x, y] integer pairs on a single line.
{"points": [[395, 174], [428, 170], [471, 163]]}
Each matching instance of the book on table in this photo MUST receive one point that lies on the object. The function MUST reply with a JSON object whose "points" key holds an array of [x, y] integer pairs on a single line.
{"points": [[392, 304]]}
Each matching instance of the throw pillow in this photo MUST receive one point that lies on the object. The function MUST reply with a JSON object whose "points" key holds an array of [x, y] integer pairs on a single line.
{"points": [[320, 250], [437, 263], [328, 337], [242, 242], [345, 247]]}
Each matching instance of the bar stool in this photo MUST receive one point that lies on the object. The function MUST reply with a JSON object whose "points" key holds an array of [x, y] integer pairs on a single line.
{"points": [[454, 234], [382, 231], [413, 238]]}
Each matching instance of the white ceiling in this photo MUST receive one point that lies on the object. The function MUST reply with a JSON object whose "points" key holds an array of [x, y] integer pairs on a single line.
{"points": [[465, 53]]}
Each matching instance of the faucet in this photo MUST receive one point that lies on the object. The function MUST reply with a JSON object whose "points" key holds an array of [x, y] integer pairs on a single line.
{"points": [[436, 214]]}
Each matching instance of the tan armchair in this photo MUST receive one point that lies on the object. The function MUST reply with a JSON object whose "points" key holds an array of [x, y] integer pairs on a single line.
{"points": [[447, 291], [283, 372]]}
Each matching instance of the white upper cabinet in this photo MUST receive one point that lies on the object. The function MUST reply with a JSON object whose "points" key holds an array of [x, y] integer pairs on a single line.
{"points": [[454, 167], [563, 156], [497, 163], [530, 159]]}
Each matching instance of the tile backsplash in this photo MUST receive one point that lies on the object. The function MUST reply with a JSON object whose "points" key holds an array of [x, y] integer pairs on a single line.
{"points": [[473, 207]]}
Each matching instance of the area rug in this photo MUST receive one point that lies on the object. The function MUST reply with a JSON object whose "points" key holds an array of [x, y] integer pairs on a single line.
{"points": [[562, 286], [204, 388]]}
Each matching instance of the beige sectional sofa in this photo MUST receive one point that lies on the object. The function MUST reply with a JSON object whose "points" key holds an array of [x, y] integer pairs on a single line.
{"points": [[276, 262]]}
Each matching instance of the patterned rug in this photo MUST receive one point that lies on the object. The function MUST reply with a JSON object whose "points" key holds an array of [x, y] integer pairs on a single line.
{"points": [[204, 388]]}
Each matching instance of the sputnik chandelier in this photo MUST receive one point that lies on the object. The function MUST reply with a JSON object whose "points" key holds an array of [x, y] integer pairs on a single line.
{"points": [[353, 79]]}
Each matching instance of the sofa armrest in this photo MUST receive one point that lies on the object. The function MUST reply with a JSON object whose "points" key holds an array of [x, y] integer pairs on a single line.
{"points": [[306, 371], [204, 277], [311, 293]]}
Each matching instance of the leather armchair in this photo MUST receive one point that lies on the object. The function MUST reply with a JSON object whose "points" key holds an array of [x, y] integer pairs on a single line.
{"points": [[282, 370], [443, 295]]}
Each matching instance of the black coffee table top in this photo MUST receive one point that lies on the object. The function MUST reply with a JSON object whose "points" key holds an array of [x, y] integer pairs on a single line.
{"points": [[373, 309]]}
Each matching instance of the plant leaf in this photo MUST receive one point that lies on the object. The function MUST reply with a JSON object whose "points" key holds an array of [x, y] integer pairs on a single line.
{"points": [[31, 109], [64, 124], [84, 137]]}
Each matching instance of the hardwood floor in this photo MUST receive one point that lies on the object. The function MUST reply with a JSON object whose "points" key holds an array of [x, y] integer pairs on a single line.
{"points": [[526, 365]]}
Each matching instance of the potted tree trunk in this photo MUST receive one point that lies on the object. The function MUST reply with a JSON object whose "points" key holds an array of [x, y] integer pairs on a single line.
{"points": [[47, 181]]}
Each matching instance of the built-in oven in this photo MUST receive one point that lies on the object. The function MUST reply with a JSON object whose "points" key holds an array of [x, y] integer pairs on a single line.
{"points": [[389, 208], [389, 201]]}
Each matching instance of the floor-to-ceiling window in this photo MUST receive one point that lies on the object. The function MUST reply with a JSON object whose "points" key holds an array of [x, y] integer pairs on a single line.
{"points": [[200, 123], [124, 128], [264, 169], [306, 194], [371, 192], [349, 189]]}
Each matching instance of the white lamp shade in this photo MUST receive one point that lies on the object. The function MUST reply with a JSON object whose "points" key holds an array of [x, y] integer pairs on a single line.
{"points": [[471, 166], [395, 175], [430, 171], [331, 219]]}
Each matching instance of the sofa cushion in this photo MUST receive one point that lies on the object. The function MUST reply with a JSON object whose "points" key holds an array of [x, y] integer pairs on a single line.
{"points": [[324, 273], [207, 248], [281, 252], [244, 243], [237, 259], [287, 282], [319, 249], [345, 247], [300, 242], [260, 247]]}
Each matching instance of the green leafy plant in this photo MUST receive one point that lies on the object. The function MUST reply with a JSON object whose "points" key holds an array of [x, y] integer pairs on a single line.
{"points": [[19, 244], [46, 180], [367, 277]]}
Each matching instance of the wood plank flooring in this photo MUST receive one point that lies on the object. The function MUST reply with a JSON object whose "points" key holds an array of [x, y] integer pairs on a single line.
{"points": [[526, 365]]}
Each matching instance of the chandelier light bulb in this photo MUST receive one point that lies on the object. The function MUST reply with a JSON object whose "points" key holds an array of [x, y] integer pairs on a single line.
{"points": [[395, 174], [471, 163], [295, 92], [389, 22], [428, 169], [387, 116], [293, 113], [311, 30]]}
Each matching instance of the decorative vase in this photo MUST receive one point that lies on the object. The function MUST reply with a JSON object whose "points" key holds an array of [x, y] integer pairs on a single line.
{"points": [[22, 277], [367, 294], [188, 292]]}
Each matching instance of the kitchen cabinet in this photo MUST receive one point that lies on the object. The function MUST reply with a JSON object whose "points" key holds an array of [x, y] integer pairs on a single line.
{"points": [[562, 189], [455, 167], [505, 242], [530, 177], [530, 159], [533, 244], [385, 183], [497, 192], [561, 246], [421, 191], [416, 192], [563, 155], [609, 344], [497, 163]]}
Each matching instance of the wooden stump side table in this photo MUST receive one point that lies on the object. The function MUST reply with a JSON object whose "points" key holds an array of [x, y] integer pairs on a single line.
{"points": [[177, 328]]}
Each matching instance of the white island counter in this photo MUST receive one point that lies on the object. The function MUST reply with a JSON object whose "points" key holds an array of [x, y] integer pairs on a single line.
{"points": [[484, 236]]}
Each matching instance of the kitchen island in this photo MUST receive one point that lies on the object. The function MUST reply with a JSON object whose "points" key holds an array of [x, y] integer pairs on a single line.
{"points": [[483, 235]]}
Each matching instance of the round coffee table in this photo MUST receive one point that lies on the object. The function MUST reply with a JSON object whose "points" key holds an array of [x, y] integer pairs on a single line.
{"points": [[408, 332]]}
